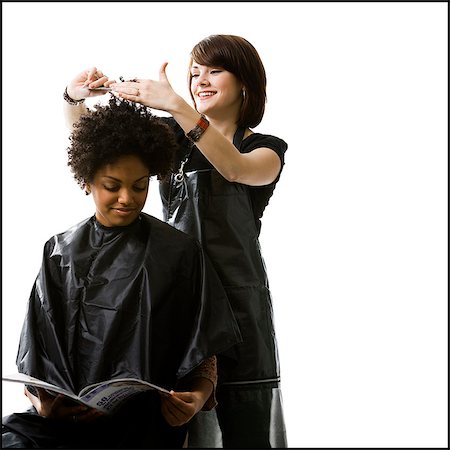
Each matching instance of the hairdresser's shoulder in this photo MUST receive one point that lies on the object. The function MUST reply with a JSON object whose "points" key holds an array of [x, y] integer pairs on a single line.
{"points": [[256, 140]]}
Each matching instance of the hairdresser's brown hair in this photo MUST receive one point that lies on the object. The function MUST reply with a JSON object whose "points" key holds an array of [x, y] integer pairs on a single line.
{"points": [[236, 55]]}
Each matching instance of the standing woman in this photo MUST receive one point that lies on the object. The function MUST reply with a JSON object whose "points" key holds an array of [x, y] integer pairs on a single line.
{"points": [[226, 176]]}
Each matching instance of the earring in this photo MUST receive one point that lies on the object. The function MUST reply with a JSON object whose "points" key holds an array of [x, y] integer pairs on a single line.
{"points": [[243, 94]]}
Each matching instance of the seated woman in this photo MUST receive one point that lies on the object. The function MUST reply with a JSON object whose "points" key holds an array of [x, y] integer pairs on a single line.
{"points": [[121, 294]]}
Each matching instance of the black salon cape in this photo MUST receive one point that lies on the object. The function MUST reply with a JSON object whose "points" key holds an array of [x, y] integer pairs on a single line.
{"points": [[138, 301]]}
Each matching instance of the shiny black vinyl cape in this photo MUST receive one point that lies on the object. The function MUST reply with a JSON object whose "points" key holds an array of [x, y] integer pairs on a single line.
{"points": [[138, 301]]}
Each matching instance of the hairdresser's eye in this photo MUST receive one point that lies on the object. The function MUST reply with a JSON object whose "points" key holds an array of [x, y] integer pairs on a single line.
{"points": [[194, 75], [139, 188], [216, 71]]}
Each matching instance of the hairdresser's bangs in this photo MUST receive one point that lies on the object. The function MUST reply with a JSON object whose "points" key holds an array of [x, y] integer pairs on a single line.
{"points": [[212, 54]]}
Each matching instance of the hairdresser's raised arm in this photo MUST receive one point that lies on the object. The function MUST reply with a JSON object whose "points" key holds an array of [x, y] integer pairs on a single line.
{"points": [[79, 89], [157, 94], [257, 168]]}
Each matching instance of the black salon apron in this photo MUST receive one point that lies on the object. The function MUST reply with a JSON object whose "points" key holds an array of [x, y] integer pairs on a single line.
{"points": [[202, 203]]}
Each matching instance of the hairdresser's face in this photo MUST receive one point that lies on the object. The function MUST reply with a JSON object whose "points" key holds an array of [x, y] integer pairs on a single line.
{"points": [[217, 93], [120, 190]]}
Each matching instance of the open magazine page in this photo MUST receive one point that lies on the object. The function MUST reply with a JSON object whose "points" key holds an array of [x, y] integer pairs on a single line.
{"points": [[106, 396], [26, 379]]}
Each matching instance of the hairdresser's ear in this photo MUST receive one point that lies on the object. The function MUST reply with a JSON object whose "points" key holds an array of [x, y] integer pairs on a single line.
{"points": [[87, 189]]}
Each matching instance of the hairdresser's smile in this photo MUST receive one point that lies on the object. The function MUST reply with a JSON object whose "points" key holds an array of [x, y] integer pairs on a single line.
{"points": [[216, 91], [205, 94]]}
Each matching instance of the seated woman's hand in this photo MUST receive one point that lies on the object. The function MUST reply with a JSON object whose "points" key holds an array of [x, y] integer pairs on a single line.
{"points": [[79, 87], [59, 407], [180, 407]]}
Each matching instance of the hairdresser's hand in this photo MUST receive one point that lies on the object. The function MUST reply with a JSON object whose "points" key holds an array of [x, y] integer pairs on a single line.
{"points": [[78, 88], [154, 94], [57, 407]]}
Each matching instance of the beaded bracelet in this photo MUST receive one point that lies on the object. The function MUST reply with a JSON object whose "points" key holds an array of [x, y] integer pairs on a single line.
{"points": [[196, 133], [70, 100]]}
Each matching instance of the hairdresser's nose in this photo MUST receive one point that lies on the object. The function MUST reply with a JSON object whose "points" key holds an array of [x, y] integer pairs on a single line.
{"points": [[203, 80]]}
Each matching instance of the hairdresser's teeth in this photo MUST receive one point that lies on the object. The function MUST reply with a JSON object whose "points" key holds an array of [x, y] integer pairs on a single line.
{"points": [[205, 94]]}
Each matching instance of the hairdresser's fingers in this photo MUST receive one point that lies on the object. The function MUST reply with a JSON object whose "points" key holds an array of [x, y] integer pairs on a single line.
{"points": [[90, 76], [133, 98], [109, 82], [101, 78], [128, 88], [99, 82], [162, 72]]}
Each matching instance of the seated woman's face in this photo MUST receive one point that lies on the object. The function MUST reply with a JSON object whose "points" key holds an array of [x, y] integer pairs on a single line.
{"points": [[120, 190]]}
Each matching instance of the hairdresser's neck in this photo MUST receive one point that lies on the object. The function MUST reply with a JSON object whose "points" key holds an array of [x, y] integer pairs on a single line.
{"points": [[226, 127]]}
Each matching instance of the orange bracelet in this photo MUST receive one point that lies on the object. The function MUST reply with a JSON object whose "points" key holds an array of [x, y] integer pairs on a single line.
{"points": [[196, 133]]}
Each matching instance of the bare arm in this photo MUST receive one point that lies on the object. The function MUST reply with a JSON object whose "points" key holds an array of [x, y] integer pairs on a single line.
{"points": [[257, 168], [78, 89], [72, 113]]}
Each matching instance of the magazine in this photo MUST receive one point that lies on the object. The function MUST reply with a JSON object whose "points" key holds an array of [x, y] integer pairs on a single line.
{"points": [[106, 396]]}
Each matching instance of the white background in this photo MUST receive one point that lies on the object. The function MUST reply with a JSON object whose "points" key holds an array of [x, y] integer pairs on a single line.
{"points": [[355, 236]]}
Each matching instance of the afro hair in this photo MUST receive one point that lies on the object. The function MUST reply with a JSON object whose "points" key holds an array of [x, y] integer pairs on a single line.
{"points": [[120, 128]]}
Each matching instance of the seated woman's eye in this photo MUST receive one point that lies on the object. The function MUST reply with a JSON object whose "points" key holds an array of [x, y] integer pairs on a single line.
{"points": [[142, 186], [111, 188]]}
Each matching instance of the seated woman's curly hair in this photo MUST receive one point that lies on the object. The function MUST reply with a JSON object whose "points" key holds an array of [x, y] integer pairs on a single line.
{"points": [[120, 128]]}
